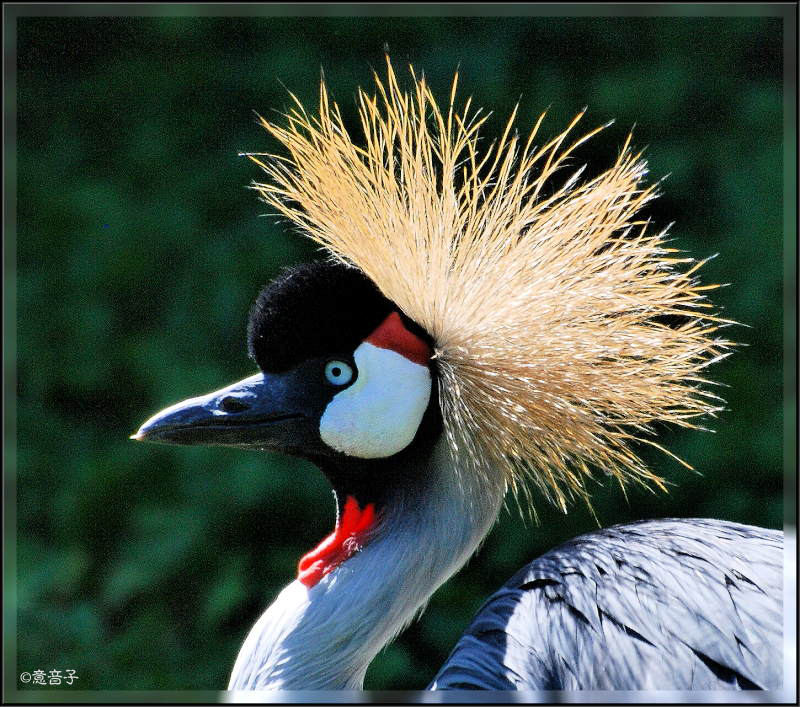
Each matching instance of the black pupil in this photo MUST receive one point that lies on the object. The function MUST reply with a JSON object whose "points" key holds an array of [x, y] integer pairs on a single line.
{"points": [[336, 371]]}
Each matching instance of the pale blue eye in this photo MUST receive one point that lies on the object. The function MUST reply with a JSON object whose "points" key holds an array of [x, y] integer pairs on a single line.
{"points": [[338, 372]]}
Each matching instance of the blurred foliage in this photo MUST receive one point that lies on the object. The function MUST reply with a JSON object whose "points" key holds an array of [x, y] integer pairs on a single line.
{"points": [[140, 249]]}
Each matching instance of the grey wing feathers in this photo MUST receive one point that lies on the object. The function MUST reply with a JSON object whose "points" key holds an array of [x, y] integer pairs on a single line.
{"points": [[665, 604]]}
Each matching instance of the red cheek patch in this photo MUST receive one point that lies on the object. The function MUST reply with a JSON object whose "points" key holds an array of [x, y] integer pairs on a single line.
{"points": [[393, 335], [344, 542]]}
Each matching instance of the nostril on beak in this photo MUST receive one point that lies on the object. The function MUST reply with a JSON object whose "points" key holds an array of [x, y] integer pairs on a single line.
{"points": [[231, 404]]}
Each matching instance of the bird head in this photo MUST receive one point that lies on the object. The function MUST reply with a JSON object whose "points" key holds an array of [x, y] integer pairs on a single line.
{"points": [[561, 327], [346, 380]]}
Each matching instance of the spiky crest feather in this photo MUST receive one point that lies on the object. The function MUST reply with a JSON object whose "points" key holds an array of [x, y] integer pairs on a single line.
{"points": [[546, 308]]}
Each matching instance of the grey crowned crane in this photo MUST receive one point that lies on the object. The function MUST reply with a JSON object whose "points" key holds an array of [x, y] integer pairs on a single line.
{"points": [[478, 330]]}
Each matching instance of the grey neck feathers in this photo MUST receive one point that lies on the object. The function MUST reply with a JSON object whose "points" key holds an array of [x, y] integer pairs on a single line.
{"points": [[324, 638]]}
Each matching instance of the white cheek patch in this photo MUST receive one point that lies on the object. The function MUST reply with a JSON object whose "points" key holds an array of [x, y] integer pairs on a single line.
{"points": [[379, 414]]}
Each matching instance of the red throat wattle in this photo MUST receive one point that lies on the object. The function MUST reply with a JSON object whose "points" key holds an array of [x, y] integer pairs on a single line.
{"points": [[341, 544]]}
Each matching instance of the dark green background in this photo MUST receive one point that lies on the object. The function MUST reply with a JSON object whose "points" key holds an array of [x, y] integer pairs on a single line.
{"points": [[140, 249]]}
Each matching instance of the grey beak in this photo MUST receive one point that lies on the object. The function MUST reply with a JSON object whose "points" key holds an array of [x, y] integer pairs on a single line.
{"points": [[264, 411]]}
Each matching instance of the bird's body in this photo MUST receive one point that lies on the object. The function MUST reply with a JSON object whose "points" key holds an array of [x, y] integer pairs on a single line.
{"points": [[474, 333], [678, 604]]}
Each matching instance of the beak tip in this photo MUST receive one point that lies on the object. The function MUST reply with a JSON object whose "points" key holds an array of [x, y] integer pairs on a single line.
{"points": [[137, 436]]}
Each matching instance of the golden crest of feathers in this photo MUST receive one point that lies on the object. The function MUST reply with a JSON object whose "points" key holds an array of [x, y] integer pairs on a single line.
{"points": [[553, 310]]}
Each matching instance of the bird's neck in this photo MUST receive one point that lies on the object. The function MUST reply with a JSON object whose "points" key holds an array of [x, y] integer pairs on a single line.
{"points": [[325, 636]]}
